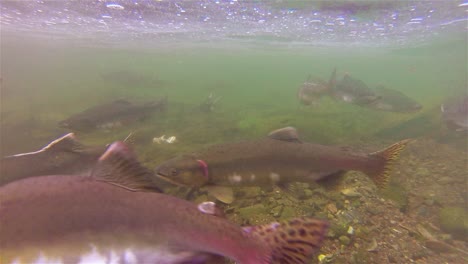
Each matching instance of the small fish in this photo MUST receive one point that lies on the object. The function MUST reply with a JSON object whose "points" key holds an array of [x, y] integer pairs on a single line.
{"points": [[313, 89], [65, 155], [393, 101], [278, 159], [87, 220], [455, 113], [353, 91], [111, 115]]}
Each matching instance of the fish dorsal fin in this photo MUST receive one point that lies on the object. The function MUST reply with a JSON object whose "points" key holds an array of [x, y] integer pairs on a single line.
{"points": [[67, 142], [285, 134], [222, 193], [119, 166], [291, 241]]}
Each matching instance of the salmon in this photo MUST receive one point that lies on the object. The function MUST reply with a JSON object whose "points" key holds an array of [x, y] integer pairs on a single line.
{"points": [[98, 219], [278, 159]]}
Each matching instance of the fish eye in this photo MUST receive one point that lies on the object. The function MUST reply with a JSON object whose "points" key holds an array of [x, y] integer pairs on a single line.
{"points": [[174, 172]]}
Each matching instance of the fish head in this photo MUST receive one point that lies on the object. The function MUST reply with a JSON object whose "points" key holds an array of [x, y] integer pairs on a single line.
{"points": [[185, 170]]}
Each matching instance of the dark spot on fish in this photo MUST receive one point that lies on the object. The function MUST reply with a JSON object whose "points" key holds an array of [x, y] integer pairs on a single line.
{"points": [[283, 235], [295, 222], [292, 232], [276, 239], [302, 232], [269, 230]]}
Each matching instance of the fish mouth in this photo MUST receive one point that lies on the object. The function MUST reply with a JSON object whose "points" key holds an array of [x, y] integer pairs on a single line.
{"points": [[165, 178]]}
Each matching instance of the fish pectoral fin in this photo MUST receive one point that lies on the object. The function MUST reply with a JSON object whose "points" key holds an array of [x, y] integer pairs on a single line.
{"points": [[332, 181], [285, 134], [222, 193], [119, 166], [67, 143]]}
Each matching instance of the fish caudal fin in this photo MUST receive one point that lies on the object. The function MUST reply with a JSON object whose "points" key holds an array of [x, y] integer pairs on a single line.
{"points": [[291, 241], [387, 156], [119, 166]]}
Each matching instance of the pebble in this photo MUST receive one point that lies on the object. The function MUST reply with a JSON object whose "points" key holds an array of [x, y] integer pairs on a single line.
{"points": [[344, 240], [351, 192]]}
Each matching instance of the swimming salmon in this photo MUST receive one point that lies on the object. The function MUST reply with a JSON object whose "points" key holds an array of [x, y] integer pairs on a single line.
{"points": [[277, 159], [65, 155], [111, 115], [87, 220]]}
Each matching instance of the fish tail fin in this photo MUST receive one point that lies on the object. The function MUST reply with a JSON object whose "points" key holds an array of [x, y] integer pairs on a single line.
{"points": [[387, 157], [119, 166], [291, 241]]}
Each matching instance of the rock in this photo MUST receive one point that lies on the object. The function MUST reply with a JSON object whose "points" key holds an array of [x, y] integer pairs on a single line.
{"points": [[308, 193], [250, 192], [201, 199], [351, 192], [398, 194], [339, 229], [332, 208], [251, 211], [344, 240], [277, 210], [439, 247], [446, 180], [288, 212], [455, 221]]}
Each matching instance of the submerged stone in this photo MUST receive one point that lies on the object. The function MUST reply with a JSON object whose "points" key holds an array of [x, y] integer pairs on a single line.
{"points": [[455, 221]]}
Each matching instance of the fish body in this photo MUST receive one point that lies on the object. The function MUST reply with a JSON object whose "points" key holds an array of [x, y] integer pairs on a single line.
{"points": [[111, 115], [64, 155], [87, 219], [455, 113], [278, 159], [354, 91], [393, 101], [313, 89]]}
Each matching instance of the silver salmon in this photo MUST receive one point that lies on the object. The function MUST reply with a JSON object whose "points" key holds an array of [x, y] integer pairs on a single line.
{"points": [[277, 159], [112, 114]]}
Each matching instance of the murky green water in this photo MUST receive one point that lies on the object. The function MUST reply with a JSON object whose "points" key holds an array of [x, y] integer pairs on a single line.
{"points": [[44, 82]]}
